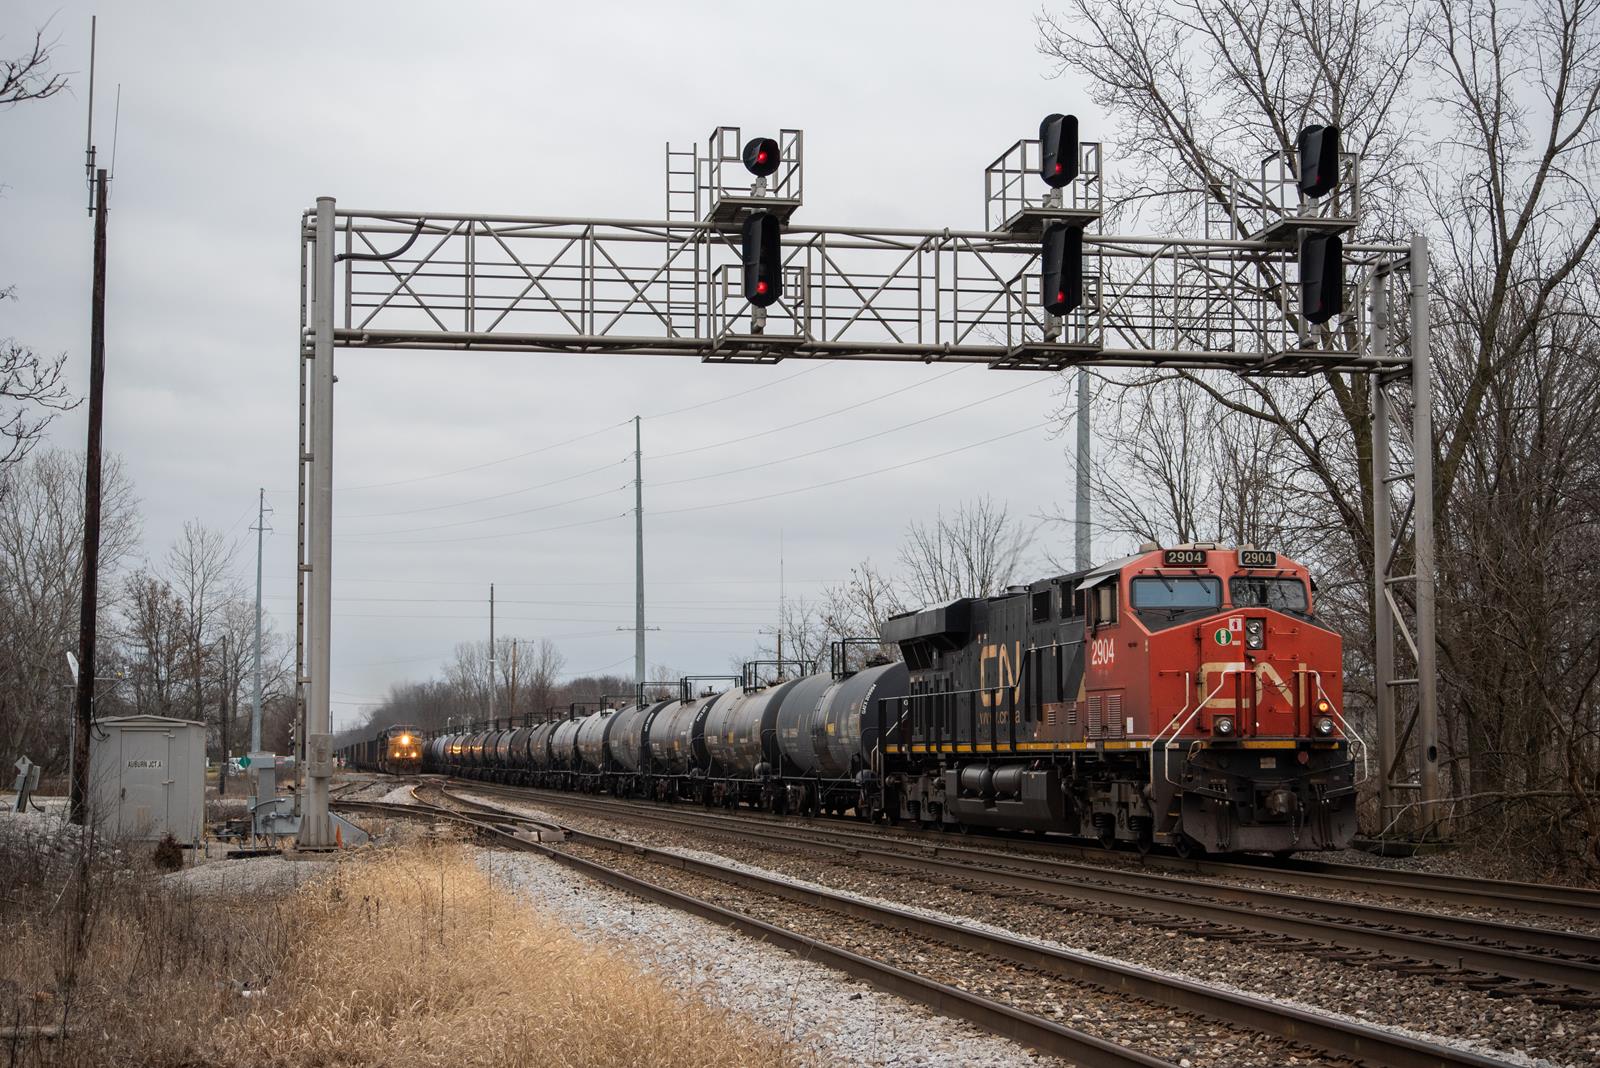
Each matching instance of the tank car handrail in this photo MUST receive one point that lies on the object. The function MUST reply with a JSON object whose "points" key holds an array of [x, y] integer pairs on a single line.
{"points": [[1344, 725]]}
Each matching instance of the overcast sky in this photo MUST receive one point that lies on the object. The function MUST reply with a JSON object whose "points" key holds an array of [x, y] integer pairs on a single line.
{"points": [[234, 119]]}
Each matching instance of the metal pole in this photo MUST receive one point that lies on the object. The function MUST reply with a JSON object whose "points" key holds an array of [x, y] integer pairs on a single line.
{"points": [[222, 718], [255, 697], [1082, 519], [491, 653], [638, 561], [314, 828], [90, 602], [1422, 462], [1383, 673]]}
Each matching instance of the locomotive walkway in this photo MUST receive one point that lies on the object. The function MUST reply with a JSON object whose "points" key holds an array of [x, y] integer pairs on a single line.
{"points": [[641, 870]]}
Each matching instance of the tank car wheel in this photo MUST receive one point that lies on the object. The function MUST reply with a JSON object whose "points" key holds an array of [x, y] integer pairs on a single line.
{"points": [[1187, 847]]}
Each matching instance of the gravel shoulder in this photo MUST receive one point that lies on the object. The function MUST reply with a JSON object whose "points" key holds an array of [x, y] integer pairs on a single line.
{"points": [[838, 1019]]}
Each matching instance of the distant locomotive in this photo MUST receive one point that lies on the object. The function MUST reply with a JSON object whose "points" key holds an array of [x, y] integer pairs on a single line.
{"points": [[397, 750], [1184, 696]]}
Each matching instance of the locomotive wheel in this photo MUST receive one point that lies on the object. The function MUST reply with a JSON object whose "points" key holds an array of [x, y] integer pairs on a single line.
{"points": [[1187, 847]]}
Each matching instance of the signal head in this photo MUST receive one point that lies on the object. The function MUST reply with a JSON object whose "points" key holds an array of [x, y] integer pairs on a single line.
{"points": [[1061, 268], [1317, 150], [762, 254], [761, 156], [1058, 150], [1321, 277]]}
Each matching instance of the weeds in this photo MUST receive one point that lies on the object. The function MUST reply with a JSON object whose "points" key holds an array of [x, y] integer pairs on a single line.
{"points": [[403, 956]]}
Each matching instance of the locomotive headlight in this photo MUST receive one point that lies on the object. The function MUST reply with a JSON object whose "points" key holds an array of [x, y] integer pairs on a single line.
{"points": [[1324, 725], [1255, 634], [1223, 725], [405, 739]]}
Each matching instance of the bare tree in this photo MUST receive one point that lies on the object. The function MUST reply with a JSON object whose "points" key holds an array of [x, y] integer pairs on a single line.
{"points": [[1477, 123], [29, 76], [154, 642], [41, 564], [32, 386], [975, 552], [200, 570]]}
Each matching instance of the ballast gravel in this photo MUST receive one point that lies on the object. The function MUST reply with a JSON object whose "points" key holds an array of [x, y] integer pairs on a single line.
{"points": [[1501, 1023], [840, 1020]]}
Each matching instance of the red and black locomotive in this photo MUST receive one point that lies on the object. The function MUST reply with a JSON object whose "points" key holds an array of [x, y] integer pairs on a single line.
{"points": [[1186, 696]]}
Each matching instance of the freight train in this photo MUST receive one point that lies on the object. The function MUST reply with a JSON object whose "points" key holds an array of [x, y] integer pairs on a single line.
{"points": [[1184, 696], [397, 750]]}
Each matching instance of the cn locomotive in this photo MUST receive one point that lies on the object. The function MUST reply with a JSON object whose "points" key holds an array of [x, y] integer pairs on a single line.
{"points": [[1184, 696], [397, 750]]}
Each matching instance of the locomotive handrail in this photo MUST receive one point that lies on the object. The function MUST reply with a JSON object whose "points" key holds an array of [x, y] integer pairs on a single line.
{"points": [[1156, 742], [1344, 725]]}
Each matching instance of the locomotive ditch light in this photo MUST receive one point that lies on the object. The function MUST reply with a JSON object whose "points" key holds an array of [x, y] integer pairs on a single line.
{"points": [[1325, 725], [1223, 725], [761, 156], [1255, 634]]}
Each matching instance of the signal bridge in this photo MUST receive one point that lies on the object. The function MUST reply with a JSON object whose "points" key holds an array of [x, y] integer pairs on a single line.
{"points": [[732, 273]]}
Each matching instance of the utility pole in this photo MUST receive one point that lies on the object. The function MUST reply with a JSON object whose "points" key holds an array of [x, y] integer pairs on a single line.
{"points": [[222, 716], [491, 653], [255, 698], [1081, 526], [90, 602], [638, 562], [780, 604]]}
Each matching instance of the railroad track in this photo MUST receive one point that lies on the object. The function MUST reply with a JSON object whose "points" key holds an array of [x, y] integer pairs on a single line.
{"points": [[1347, 1041], [1553, 966], [1568, 902]]}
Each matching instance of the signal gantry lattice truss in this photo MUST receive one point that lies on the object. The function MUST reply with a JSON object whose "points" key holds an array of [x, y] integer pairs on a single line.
{"points": [[1230, 300]]}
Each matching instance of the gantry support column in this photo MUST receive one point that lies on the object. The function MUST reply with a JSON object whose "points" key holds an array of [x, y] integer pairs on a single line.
{"points": [[1422, 461], [314, 827], [1385, 700]]}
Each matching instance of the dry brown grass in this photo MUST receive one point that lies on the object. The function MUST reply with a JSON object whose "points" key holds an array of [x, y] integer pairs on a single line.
{"points": [[406, 956], [420, 960]]}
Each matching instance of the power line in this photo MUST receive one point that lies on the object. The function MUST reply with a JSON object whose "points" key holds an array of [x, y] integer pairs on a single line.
{"points": [[817, 418], [479, 467], [1032, 382], [492, 518], [741, 393], [485, 537], [491, 497], [852, 478], [690, 605]]}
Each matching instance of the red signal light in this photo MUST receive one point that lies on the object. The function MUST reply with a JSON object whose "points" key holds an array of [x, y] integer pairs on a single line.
{"points": [[1058, 168], [761, 287], [1061, 296], [761, 157]]}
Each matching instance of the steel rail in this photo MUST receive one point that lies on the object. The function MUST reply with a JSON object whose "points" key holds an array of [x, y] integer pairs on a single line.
{"points": [[1571, 902], [1332, 1034], [1583, 975], [1079, 1047]]}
